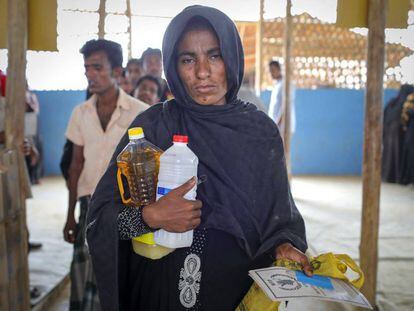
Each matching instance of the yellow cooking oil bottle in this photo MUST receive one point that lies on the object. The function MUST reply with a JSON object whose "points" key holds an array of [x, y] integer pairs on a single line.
{"points": [[139, 164]]}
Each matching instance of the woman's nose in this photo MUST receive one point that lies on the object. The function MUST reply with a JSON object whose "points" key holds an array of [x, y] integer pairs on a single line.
{"points": [[203, 69]]}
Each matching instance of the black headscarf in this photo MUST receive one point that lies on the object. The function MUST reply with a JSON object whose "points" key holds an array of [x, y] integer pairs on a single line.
{"points": [[240, 151]]}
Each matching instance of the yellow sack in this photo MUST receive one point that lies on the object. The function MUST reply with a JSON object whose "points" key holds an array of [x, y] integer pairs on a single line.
{"points": [[256, 300], [329, 264]]}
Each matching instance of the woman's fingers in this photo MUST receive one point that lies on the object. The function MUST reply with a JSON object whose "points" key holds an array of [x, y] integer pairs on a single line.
{"points": [[197, 204], [306, 266], [197, 213], [298, 256], [195, 223], [288, 251], [182, 190], [175, 213]]}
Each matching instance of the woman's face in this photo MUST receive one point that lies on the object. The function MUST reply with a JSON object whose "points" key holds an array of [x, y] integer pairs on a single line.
{"points": [[201, 67]]}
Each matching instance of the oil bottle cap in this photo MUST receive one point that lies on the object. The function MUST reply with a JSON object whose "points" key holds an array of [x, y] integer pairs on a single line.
{"points": [[180, 139], [135, 133]]}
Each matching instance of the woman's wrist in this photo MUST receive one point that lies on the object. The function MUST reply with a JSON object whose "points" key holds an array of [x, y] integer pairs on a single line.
{"points": [[282, 242], [149, 217], [282, 249]]}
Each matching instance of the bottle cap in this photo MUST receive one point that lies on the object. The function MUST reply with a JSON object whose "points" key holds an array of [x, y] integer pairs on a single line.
{"points": [[180, 139], [135, 133]]}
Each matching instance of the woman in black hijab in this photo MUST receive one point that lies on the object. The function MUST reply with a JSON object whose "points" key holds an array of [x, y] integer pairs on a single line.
{"points": [[248, 214], [393, 137]]}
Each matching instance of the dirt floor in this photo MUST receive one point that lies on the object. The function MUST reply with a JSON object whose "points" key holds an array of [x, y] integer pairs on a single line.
{"points": [[331, 207]]}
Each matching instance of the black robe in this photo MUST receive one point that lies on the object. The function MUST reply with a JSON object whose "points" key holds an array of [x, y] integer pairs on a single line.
{"points": [[246, 196], [407, 157]]}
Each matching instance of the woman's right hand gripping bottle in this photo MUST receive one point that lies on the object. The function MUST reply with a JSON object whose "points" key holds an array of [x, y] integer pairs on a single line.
{"points": [[139, 163]]}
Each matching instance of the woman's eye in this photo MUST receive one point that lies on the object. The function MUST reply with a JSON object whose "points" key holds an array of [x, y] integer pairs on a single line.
{"points": [[187, 60], [215, 56]]}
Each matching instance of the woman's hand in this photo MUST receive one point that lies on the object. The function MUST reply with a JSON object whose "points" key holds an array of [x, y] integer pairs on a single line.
{"points": [[172, 212], [288, 251]]}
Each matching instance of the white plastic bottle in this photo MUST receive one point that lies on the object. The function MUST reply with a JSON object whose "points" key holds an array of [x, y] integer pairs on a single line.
{"points": [[177, 165]]}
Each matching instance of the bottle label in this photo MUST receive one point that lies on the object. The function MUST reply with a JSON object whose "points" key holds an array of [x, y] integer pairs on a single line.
{"points": [[163, 191], [190, 195]]}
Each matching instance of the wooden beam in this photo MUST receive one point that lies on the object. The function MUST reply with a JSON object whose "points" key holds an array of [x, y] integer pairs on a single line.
{"points": [[4, 262], [16, 73], [102, 16], [16, 80], [15, 233], [371, 173], [259, 51], [14, 188], [128, 13], [287, 35]]}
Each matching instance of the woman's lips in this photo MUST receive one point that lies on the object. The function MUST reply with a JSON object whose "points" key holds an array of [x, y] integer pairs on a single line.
{"points": [[204, 88]]}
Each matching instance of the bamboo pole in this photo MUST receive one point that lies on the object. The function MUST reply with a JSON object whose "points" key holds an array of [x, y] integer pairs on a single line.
{"points": [[286, 84], [128, 13], [371, 174], [15, 233], [16, 69], [259, 51], [14, 188], [102, 16], [4, 274]]}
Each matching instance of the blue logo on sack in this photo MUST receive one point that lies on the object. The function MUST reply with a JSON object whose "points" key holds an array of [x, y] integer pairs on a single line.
{"points": [[163, 191]]}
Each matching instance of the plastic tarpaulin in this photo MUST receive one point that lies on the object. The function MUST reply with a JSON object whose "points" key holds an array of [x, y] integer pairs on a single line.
{"points": [[354, 13], [42, 25]]}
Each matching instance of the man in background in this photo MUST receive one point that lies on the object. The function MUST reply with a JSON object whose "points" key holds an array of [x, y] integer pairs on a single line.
{"points": [[31, 133], [152, 65], [276, 107], [148, 90], [95, 128], [134, 71], [125, 84]]}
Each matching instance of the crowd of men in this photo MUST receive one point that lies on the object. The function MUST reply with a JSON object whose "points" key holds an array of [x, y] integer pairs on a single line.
{"points": [[142, 78]]}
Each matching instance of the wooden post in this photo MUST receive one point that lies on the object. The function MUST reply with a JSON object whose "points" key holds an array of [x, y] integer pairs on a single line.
{"points": [[4, 265], [128, 13], [371, 173], [17, 286], [286, 84], [16, 73], [259, 51], [102, 16], [13, 186]]}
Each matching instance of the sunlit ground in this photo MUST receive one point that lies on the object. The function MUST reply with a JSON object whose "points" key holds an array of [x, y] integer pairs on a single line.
{"points": [[331, 207]]}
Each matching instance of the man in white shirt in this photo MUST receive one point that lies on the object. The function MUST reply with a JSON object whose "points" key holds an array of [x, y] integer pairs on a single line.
{"points": [[276, 106], [95, 128]]}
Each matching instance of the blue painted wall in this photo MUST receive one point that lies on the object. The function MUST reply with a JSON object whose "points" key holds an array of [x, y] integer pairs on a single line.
{"points": [[328, 138], [55, 110], [329, 131]]}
